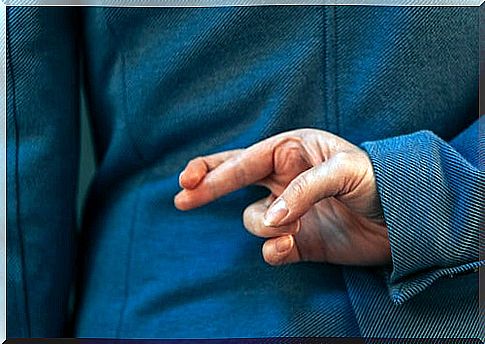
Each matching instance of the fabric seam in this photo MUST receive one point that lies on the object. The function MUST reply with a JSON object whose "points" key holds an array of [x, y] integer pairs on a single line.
{"points": [[325, 67], [129, 133], [128, 270], [17, 188], [335, 69]]}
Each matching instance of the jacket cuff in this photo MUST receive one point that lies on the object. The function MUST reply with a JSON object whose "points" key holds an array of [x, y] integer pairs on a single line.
{"points": [[432, 202]]}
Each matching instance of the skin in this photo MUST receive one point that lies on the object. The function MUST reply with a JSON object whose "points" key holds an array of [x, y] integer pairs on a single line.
{"points": [[330, 211]]}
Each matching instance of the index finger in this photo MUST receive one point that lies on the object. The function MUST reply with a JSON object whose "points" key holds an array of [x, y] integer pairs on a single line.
{"points": [[248, 167], [197, 168]]}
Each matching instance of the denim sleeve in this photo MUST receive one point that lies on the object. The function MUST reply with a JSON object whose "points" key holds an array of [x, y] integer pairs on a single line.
{"points": [[42, 167], [432, 195]]}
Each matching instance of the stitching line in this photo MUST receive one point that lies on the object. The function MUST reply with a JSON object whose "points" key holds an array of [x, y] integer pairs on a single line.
{"points": [[335, 69], [17, 186], [128, 258]]}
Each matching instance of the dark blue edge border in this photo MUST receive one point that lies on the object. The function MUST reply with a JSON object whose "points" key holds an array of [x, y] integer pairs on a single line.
{"points": [[290, 340]]}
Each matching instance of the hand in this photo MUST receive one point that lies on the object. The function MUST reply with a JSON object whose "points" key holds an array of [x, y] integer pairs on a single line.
{"points": [[323, 205]]}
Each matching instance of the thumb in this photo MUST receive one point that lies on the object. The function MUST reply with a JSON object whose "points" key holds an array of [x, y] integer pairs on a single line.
{"points": [[331, 178]]}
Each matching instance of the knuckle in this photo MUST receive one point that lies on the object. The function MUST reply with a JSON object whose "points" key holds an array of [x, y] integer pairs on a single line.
{"points": [[345, 162], [299, 186], [212, 188], [240, 172], [304, 131], [342, 157]]}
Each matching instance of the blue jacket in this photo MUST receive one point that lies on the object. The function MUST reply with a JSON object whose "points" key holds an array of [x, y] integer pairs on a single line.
{"points": [[165, 85]]}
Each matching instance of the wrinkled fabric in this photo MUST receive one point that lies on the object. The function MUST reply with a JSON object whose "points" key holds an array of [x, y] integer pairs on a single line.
{"points": [[167, 84]]}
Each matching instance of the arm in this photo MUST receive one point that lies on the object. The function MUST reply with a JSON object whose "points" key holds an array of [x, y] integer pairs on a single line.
{"points": [[324, 204], [432, 195]]}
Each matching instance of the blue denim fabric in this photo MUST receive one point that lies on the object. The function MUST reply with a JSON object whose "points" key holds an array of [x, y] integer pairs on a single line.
{"points": [[433, 204], [165, 85]]}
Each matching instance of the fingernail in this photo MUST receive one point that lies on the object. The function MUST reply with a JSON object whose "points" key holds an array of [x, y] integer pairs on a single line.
{"points": [[276, 213], [283, 244], [181, 175]]}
